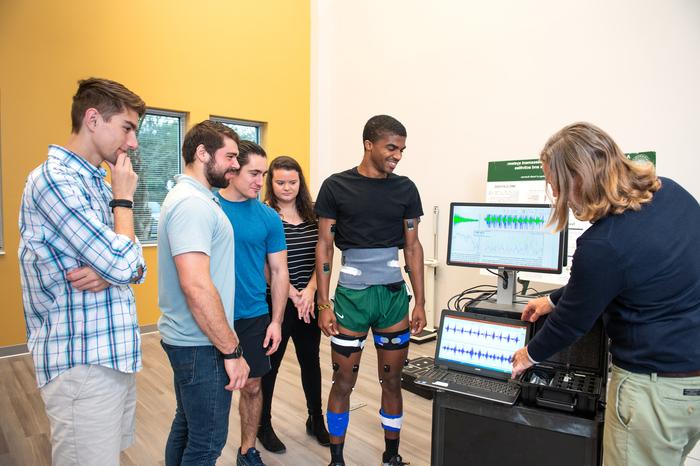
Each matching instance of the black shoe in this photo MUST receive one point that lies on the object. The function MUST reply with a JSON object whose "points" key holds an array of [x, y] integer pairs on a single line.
{"points": [[269, 440], [316, 427], [395, 461], [336, 464]]}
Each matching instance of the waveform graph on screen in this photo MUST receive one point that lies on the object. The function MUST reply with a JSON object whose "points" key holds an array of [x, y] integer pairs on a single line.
{"points": [[514, 222], [477, 354], [502, 236], [501, 246], [485, 334], [466, 234], [481, 343]]}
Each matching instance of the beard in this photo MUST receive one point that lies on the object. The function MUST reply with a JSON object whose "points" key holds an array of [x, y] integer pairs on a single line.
{"points": [[217, 179]]}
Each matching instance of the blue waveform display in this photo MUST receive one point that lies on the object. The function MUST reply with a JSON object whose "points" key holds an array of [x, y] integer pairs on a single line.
{"points": [[478, 354], [484, 334]]}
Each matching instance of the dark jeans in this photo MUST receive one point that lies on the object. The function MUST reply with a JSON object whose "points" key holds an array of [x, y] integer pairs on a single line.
{"points": [[307, 338], [199, 430]]}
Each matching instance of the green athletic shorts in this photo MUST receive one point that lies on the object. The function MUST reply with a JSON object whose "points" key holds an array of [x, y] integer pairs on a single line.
{"points": [[377, 307]]}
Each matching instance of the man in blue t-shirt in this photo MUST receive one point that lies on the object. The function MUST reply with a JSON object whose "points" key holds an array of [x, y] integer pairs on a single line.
{"points": [[259, 239]]}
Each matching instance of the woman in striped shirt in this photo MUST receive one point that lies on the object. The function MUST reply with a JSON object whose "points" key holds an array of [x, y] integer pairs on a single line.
{"points": [[287, 193]]}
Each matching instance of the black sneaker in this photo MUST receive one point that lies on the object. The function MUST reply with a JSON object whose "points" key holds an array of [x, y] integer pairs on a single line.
{"points": [[395, 461], [270, 441], [251, 458]]}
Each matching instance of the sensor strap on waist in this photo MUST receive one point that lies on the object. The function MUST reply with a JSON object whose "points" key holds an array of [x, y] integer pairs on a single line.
{"points": [[364, 267]]}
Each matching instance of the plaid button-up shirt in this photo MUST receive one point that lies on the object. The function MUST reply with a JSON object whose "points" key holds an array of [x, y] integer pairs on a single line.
{"points": [[65, 222]]}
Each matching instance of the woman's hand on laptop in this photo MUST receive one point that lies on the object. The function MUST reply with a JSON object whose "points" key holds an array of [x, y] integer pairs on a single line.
{"points": [[521, 362]]}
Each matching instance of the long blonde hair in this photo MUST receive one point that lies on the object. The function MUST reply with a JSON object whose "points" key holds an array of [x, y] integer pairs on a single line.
{"points": [[584, 159]]}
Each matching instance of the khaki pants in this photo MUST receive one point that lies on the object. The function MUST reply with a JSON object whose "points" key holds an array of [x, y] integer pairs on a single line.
{"points": [[650, 420], [91, 410]]}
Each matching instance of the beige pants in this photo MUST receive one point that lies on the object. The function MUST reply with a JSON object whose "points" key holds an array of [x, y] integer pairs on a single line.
{"points": [[650, 420], [91, 410]]}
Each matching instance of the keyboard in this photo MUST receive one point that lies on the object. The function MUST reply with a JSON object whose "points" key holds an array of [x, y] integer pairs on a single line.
{"points": [[480, 387]]}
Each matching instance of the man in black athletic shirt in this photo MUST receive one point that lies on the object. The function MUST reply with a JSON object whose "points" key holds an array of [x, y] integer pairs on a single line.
{"points": [[371, 213]]}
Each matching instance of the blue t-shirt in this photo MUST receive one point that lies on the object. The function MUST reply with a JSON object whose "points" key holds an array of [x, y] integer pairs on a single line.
{"points": [[258, 231]]}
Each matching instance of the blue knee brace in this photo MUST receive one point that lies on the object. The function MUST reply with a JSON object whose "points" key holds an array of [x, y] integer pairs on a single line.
{"points": [[391, 340], [337, 423], [391, 422]]}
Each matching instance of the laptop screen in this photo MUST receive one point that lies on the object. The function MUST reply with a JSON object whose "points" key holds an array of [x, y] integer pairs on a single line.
{"points": [[479, 343]]}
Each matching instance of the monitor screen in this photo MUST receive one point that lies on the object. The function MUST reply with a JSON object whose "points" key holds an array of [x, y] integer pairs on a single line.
{"points": [[512, 236]]}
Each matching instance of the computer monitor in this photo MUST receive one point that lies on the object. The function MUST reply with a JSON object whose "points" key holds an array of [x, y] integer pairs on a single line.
{"points": [[507, 237]]}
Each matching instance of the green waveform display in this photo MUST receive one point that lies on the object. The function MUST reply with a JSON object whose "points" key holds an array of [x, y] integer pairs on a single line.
{"points": [[458, 219], [507, 220]]}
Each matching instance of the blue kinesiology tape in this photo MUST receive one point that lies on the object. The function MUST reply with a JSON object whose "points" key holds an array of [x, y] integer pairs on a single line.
{"points": [[337, 423], [391, 422]]}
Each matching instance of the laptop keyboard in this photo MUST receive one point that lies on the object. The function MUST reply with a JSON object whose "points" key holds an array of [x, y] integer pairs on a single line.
{"points": [[483, 383]]}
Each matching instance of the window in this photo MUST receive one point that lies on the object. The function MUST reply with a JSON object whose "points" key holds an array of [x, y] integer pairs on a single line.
{"points": [[248, 130], [156, 161]]}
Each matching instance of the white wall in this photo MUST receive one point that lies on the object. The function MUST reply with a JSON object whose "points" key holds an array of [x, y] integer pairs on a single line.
{"points": [[475, 81]]}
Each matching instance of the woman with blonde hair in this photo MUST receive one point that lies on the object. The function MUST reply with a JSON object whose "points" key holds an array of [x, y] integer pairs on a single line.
{"points": [[638, 266]]}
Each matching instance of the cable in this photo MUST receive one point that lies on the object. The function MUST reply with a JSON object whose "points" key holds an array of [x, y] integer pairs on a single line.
{"points": [[482, 297], [456, 302], [504, 277], [542, 293], [452, 303]]}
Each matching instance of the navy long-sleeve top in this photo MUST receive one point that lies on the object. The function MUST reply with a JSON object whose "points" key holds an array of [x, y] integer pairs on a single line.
{"points": [[641, 271]]}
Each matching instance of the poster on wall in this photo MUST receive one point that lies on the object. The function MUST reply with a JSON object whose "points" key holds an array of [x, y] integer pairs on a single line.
{"points": [[522, 182]]}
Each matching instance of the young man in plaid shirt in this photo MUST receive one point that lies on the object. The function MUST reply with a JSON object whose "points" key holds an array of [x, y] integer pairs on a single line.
{"points": [[78, 257]]}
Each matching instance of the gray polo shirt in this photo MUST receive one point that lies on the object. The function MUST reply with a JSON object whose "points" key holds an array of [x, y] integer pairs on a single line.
{"points": [[192, 221]]}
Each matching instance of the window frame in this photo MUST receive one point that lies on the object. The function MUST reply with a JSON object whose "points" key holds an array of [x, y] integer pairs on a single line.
{"points": [[258, 125], [182, 118]]}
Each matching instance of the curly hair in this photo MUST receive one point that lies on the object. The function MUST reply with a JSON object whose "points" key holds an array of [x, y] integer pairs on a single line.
{"points": [[379, 125]]}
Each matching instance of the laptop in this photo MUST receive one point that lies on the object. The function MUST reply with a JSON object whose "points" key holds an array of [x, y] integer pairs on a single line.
{"points": [[472, 355]]}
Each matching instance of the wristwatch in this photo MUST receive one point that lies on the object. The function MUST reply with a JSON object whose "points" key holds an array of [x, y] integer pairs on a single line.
{"points": [[121, 203], [237, 353]]}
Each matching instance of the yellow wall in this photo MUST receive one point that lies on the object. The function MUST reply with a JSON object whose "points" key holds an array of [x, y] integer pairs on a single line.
{"points": [[233, 58]]}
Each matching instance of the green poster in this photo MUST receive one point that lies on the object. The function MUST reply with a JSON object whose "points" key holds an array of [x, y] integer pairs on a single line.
{"points": [[531, 169], [515, 170], [649, 156]]}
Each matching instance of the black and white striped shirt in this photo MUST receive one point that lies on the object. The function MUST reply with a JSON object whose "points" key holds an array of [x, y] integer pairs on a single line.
{"points": [[301, 252]]}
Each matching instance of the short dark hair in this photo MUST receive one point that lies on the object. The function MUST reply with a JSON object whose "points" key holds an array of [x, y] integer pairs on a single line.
{"points": [[210, 134], [303, 203], [379, 125], [245, 148], [108, 97]]}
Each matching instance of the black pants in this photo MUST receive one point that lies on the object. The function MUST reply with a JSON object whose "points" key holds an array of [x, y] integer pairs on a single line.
{"points": [[307, 338]]}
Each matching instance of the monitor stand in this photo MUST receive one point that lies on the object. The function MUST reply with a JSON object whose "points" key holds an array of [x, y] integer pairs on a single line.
{"points": [[507, 283], [504, 304]]}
